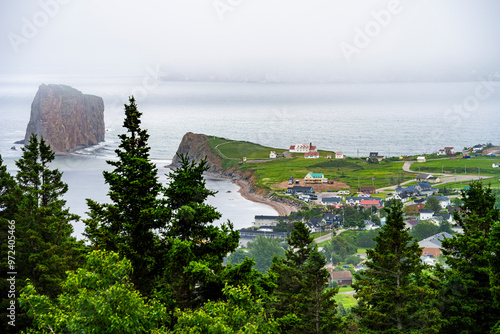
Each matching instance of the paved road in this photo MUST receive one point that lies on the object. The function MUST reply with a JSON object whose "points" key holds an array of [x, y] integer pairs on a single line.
{"points": [[445, 178]]}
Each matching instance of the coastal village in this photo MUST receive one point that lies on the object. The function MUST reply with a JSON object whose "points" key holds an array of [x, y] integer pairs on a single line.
{"points": [[313, 192]]}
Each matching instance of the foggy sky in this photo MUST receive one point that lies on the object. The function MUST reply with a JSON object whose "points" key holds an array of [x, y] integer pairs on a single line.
{"points": [[424, 39]]}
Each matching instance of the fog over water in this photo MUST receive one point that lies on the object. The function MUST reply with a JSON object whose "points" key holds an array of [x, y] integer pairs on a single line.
{"points": [[397, 77]]}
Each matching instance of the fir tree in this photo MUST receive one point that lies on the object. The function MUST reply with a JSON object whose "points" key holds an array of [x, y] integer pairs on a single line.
{"points": [[195, 248], [468, 303], [129, 225], [33, 202], [301, 287], [9, 196], [391, 295], [45, 248]]}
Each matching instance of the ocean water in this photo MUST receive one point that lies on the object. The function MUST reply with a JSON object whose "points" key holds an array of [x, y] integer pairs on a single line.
{"points": [[392, 119]]}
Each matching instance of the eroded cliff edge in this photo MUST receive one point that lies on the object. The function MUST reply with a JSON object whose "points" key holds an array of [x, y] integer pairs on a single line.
{"points": [[197, 147], [66, 118]]}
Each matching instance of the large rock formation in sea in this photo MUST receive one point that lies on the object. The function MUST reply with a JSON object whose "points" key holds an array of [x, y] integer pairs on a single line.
{"points": [[197, 146], [66, 118]]}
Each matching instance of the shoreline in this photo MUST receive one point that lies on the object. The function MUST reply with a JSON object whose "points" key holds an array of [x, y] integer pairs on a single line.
{"points": [[281, 208]]}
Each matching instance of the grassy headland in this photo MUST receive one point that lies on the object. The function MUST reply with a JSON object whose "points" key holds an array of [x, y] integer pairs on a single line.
{"points": [[270, 172]]}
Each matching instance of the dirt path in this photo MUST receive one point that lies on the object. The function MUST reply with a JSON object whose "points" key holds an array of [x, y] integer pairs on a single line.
{"points": [[281, 209]]}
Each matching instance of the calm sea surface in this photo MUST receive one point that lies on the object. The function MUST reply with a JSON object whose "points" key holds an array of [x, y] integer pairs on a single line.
{"points": [[392, 119]]}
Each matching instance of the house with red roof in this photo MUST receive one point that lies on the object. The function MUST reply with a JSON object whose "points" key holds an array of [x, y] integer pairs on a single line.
{"points": [[303, 148], [311, 155], [369, 202]]}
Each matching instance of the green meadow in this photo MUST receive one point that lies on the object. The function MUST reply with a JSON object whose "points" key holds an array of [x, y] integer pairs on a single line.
{"points": [[472, 166], [351, 171]]}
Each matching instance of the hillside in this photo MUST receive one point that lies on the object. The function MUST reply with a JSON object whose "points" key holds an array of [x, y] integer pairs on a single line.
{"points": [[251, 162]]}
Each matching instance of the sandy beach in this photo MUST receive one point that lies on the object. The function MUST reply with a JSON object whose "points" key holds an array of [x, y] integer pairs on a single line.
{"points": [[281, 208]]}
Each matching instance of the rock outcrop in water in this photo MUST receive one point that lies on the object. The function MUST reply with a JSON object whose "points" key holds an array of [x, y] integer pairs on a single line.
{"points": [[66, 118], [197, 146]]}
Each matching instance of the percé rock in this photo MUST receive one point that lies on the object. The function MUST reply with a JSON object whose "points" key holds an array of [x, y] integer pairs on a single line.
{"points": [[66, 118], [197, 147]]}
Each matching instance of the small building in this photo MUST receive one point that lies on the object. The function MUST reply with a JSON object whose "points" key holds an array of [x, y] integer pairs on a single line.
{"points": [[443, 201], [433, 179], [449, 150], [422, 177], [426, 214], [354, 200], [421, 159], [272, 155], [368, 203], [339, 155], [330, 200], [311, 155], [266, 220], [302, 148], [495, 165], [328, 156], [368, 190], [411, 223], [342, 277], [244, 159], [432, 245], [298, 189], [374, 156], [315, 178]]}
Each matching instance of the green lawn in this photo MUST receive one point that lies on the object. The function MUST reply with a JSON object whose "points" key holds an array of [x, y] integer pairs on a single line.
{"points": [[451, 165], [349, 171], [239, 149], [346, 300]]}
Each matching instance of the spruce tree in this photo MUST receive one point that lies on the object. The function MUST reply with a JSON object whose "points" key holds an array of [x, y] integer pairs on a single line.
{"points": [[301, 287], [195, 247], [33, 201], [131, 223], [9, 196], [391, 295], [45, 247], [468, 303]]}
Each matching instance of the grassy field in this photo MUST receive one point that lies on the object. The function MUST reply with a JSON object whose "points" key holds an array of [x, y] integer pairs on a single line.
{"points": [[460, 166], [346, 300], [350, 171]]}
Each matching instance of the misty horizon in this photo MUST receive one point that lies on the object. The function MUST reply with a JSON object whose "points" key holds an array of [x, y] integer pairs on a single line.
{"points": [[258, 41]]}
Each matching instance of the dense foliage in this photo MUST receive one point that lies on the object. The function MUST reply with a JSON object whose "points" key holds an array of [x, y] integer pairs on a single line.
{"points": [[157, 264], [43, 247], [390, 293]]}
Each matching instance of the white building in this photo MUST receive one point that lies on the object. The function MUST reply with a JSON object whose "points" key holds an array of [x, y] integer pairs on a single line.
{"points": [[339, 155], [272, 155], [303, 148], [426, 214]]}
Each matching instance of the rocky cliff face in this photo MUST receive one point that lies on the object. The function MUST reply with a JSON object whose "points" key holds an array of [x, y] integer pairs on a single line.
{"points": [[197, 146], [66, 118]]}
